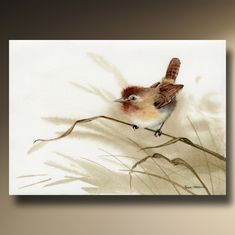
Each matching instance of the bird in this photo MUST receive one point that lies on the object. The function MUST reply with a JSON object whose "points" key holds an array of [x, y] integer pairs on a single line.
{"points": [[150, 107]]}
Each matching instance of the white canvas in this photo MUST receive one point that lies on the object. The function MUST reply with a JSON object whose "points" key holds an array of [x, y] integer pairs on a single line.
{"points": [[54, 83]]}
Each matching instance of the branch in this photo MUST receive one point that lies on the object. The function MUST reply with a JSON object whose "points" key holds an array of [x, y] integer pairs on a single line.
{"points": [[181, 139]]}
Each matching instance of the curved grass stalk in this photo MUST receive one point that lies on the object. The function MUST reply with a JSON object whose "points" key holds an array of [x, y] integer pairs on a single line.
{"points": [[169, 142], [159, 166], [207, 161], [166, 179], [182, 139], [175, 161], [117, 159]]}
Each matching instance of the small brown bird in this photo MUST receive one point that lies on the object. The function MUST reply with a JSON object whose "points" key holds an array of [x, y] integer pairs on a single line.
{"points": [[152, 106]]}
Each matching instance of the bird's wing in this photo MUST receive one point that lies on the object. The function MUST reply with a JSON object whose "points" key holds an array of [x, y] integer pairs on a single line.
{"points": [[167, 93]]}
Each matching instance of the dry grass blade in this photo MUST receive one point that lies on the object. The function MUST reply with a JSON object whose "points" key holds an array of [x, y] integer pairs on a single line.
{"points": [[36, 147], [59, 120], [175, 161], [39, 182], [166, 179], [182, 139], [161, 168], [63, 168], [62, 181], [29, 176], [169, 142], [105, 95], [189, 142], [207, 162], [66, 133], [116, 158], [179, 161], [102, 179]]}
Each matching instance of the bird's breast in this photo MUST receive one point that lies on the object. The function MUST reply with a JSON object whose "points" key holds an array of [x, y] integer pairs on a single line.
{"points": [[149, 116]]}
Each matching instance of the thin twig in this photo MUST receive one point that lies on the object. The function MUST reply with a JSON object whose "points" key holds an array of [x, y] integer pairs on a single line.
{"points": [[182, 139]]}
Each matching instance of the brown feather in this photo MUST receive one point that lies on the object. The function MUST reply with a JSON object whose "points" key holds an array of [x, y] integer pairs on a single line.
{"points": [[172, 71], [131, 90], [167, 93]]}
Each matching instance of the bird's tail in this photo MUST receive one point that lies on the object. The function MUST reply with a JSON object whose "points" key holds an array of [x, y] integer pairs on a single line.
{"points": [[172, 71]]}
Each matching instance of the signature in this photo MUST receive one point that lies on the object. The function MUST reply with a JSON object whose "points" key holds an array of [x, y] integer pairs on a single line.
{"points": [[194, 186]]}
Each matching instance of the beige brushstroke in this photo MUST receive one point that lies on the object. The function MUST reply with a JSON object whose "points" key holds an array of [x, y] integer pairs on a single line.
{"points": [[36, 147], [98, 59], [101, 176], [39, 182], [206, 158], [115, 157], [161, 168], [58, 120], [104, 175], [28, 176], [62, 181], [95, 91], [171, 181], [61, 167]]}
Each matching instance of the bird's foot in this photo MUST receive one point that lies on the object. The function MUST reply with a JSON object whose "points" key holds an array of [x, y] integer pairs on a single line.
{"points": [[135, 127], [158, 133]]}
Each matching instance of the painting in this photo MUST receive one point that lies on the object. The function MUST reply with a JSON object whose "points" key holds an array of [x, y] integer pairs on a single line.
{"points": [[117, 117]]}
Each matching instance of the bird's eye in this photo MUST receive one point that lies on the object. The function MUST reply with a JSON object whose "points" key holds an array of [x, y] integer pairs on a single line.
{"points": [[132, 97]]}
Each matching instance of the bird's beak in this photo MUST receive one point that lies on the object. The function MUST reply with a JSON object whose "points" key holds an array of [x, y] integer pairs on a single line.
{"points": [[121, 100]]}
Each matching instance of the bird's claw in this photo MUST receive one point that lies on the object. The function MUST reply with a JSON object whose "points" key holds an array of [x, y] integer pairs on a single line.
{"points": [[158, 133], [135, 127]]}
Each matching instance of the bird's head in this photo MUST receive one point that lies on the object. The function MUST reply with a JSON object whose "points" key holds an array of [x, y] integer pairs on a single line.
{"points": [[131, 97], [135, 97]]}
